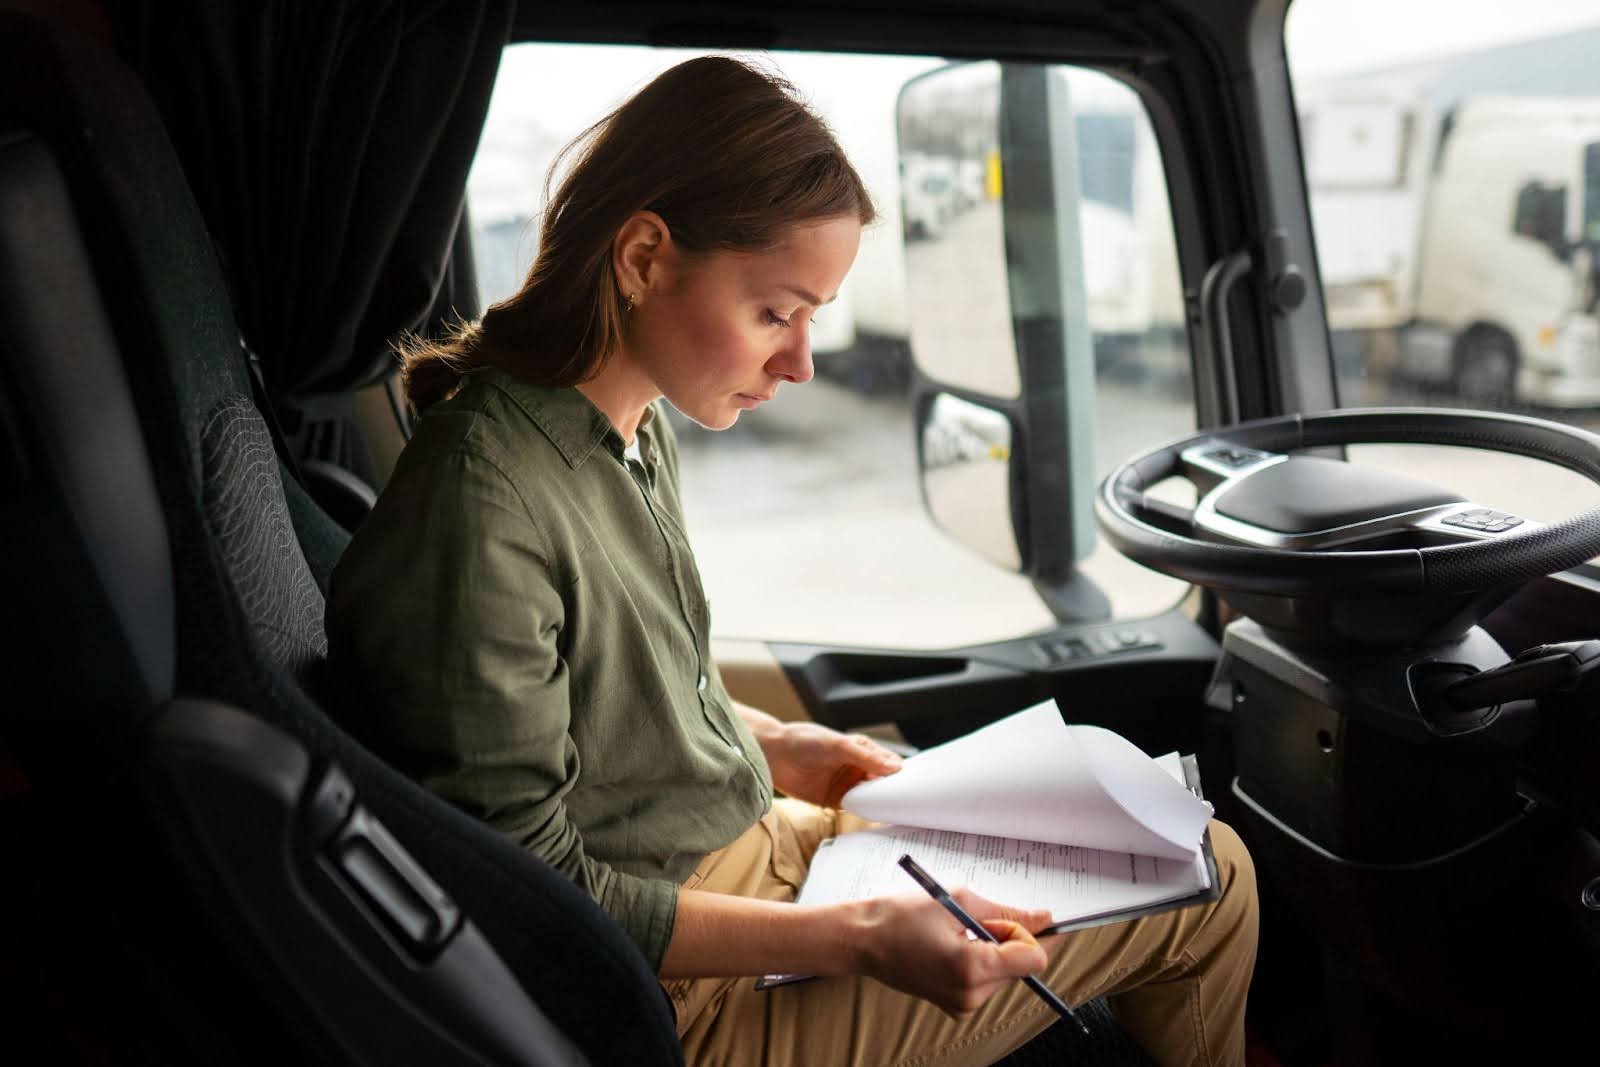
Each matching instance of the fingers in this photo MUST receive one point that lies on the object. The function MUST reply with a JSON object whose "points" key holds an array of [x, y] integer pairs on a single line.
{"points": [[925, 952], [1017, 955], [872, 756], [982, 908], [1018, 952], [863, 758], [844, 780], [1008, 930]]}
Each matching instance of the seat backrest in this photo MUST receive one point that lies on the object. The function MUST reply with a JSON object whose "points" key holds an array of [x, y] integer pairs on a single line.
{"points": [[247, 549], [93, 917], [233, 796]]}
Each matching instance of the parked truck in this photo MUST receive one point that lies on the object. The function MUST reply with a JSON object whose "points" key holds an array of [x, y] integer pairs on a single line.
{"points": [[1505, 295], [1457, 223]]}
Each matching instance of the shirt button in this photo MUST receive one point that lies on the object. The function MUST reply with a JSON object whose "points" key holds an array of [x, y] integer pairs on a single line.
{"points": [[701, 685]]}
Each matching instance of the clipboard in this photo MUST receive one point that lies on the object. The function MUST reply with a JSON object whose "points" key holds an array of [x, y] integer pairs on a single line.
{"points": [[1212, 892]]}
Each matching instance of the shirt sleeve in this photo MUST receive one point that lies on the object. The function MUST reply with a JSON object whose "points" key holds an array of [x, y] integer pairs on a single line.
{"points": [[447, 612]]}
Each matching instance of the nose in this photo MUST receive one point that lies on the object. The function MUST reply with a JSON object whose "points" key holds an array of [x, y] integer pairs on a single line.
{"points": [[792, 362]]}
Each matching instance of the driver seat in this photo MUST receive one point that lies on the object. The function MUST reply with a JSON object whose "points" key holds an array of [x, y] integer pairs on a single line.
{"points": [[272, 892]]}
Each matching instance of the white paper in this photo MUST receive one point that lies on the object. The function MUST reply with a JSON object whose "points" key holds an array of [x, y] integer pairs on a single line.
{"points": [[1070, 882], [1033, 777], [1073, 884]]}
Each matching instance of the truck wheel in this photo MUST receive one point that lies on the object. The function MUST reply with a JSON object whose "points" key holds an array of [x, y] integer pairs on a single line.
{"points": [[1486, 367]]}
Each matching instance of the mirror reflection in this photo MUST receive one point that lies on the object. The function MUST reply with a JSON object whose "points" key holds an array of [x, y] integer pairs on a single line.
{"points": [[966, 476], [949, 124]]}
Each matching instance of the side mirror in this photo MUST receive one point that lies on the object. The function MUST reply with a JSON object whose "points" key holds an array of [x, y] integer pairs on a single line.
{"points": [[1000, 343], [964, 454]]}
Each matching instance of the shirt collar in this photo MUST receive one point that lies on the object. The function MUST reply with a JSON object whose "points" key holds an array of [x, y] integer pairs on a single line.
{"points": [[567, 417]]}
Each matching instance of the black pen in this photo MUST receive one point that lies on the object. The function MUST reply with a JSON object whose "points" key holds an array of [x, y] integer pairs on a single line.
{"points": [[939, 893]]}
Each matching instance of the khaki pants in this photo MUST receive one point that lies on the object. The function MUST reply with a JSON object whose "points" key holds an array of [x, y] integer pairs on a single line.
{"points": [[1176, 980]]}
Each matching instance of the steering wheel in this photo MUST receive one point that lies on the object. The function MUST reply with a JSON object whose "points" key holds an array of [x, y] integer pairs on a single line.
{"points": [[1322, 549]]}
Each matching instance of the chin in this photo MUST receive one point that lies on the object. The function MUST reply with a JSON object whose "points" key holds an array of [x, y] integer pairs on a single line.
{"points": [[713, 419]]}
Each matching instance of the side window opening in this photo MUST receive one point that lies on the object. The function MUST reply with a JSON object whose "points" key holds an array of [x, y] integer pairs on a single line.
{"points": [[1541, 214], [1452, 183], [814, 502]]}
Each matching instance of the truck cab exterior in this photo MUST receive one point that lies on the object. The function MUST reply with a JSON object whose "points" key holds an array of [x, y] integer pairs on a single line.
{"points": [[1505, 271]]}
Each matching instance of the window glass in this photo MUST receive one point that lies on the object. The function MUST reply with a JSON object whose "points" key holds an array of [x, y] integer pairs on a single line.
{"points": [[1452, 165], [806, 516]]}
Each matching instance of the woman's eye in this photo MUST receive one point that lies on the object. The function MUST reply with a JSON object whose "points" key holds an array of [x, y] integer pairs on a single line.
{"points": [[777, 320]]}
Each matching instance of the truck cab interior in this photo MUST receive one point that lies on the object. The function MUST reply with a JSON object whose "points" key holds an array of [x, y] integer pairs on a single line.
{"points": [[215, 218]]}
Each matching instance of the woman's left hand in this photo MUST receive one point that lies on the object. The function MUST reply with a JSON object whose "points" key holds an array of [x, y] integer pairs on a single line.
{"points": [[811, 762]]}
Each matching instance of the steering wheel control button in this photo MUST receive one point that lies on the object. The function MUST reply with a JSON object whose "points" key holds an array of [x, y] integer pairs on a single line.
{"points": [[1485, 519], [1225, 460], [1233, 456]]}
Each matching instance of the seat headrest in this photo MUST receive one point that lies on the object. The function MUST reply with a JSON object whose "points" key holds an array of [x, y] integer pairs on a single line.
{"points": [[138, 215], [221, 489]]}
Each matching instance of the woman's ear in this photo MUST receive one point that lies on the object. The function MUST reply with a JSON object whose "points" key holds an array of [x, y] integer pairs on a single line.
{"points": [[641, 254]]}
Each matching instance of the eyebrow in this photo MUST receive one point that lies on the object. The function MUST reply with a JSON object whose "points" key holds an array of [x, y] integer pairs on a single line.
{"points": [[808, 296]]}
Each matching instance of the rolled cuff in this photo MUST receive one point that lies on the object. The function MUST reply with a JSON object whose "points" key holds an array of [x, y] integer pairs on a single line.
{"points": [[647, 908]]}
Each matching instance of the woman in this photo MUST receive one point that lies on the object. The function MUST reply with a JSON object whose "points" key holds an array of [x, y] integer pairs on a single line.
{"points": [[523, 614]]}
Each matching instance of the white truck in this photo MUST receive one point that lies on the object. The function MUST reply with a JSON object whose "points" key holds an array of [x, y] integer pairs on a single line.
{"points": [[1506, 264], [928, 195], [1456, 231]]}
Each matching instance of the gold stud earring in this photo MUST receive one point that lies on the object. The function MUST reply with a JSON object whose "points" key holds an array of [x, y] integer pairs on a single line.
{"points": [[632, 299]]}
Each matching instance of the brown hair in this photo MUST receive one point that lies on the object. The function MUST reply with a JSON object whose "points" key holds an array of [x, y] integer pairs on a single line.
{"points": [[726, 154]]}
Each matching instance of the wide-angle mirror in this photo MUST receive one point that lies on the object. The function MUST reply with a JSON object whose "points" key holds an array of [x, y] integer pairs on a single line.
{"points": [[964, 452]]}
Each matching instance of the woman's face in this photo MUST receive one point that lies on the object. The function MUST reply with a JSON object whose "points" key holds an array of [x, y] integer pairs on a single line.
{"points": [[727, 328]]}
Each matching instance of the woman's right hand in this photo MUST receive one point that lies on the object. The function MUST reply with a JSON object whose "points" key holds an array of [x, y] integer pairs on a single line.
{"points": [[916, 946]]}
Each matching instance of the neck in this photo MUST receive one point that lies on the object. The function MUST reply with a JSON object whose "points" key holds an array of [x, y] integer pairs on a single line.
{"points": [[621, 393]]}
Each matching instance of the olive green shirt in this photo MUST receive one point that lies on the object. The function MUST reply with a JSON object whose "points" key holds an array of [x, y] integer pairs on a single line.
{"points": [[524, 621]]}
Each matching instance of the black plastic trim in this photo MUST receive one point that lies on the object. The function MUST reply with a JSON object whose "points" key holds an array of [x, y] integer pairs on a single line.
{"points": [[248, 811], [1306, 494], [961, 689]]}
